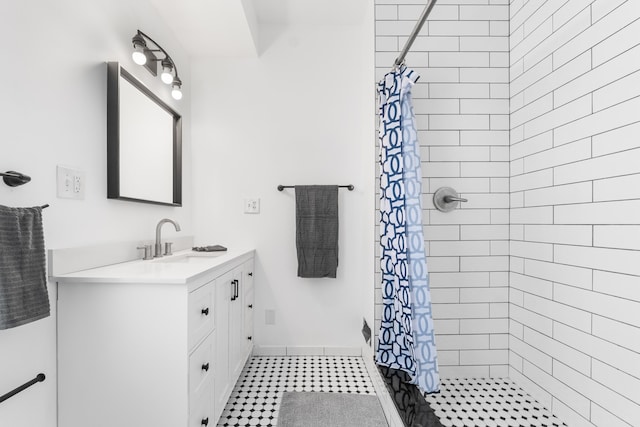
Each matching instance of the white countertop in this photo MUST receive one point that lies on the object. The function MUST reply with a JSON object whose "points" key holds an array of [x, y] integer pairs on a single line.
{"points": [[181, 267]]}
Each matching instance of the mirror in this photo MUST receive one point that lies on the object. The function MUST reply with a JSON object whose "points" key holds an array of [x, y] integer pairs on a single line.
{"points": [[144, 142]]}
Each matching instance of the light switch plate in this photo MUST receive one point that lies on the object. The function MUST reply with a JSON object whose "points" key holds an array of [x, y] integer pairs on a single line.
{"points": [[70, 183], [252, 206]]}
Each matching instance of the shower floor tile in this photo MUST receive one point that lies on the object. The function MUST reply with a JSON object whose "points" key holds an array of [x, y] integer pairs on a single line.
{"points": [[255, 400], [492, 402]]}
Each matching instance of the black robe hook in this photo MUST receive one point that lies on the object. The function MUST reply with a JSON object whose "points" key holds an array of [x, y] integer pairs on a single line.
{"points": [[14, 179]]}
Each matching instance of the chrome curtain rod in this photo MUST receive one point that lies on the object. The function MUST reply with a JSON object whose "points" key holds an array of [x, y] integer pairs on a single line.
{"points": [[282, 187], [425, 14]]}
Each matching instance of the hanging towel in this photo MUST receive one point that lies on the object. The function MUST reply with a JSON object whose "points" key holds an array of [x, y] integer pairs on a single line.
{"points": [[23, 285], [317, 230]]}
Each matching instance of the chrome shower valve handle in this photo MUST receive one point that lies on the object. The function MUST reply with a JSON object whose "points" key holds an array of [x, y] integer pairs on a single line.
{"points": [[446, 199]]}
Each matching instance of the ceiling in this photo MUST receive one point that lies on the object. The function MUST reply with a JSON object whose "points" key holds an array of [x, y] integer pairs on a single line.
{"points": [[232, 27]]}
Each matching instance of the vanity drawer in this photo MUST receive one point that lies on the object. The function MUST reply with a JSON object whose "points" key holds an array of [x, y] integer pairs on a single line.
{"points": [[201, 316], [201, 414], [201, 365]]}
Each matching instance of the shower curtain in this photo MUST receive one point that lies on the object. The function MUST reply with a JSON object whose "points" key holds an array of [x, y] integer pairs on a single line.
{"points": [[406, 340]]}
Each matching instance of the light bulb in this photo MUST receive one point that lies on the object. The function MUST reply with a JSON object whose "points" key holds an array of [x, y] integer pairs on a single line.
{"points": [[175, 89], [139, 45], [139, 57], [166, 76]]}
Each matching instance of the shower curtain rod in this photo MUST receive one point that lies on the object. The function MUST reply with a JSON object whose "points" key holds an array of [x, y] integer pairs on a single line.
{"points": [[425, 14]]}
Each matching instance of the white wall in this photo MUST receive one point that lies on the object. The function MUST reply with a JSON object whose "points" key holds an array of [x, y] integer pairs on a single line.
{"points": [[301, 113], [575, 251], [461, 106], [54, 112]]}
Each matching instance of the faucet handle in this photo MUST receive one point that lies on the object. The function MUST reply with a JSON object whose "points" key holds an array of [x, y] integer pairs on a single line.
{"points": [[167, 248], [148, 254]]}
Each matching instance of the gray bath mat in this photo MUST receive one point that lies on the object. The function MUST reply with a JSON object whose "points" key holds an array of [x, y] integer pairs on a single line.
{"points": [[306, 409]]}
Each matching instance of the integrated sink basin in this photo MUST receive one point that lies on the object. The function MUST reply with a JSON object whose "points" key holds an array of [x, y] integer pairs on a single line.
{"points": [[190, 258]]}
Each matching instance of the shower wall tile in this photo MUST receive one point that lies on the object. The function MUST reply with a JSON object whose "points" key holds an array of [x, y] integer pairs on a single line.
{"points": [[462, 106], [559, 195], [575, 280]]}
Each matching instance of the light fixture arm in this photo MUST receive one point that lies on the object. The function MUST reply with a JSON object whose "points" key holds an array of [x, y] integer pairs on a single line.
{"points": [[160, 49]]}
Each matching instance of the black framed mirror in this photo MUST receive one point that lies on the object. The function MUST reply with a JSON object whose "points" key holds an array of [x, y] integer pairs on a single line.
{"points": [[144, 142]]}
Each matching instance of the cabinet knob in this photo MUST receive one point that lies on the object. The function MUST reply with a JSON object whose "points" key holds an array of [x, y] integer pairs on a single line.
{"points": [[205, 422], [205, 367], [250, 306], [250, 273], [249, 338], [205, 311]]}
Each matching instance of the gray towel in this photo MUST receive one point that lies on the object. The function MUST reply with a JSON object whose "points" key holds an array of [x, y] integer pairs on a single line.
{"points": [[23, 284], [317, 230]]}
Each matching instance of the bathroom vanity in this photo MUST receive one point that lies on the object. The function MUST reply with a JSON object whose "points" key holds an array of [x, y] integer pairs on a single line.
{"points": [[153, 343]]}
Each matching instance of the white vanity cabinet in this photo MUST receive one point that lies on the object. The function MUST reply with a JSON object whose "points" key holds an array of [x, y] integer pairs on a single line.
{"points": [[150, 349]]}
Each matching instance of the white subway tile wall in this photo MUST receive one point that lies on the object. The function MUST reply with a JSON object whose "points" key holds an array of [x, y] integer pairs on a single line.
{"points": [[462, 107], [574, 320]]}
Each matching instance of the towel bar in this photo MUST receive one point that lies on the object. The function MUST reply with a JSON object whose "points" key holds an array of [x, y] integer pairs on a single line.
{"points": [[39, 378], [282, 187]]}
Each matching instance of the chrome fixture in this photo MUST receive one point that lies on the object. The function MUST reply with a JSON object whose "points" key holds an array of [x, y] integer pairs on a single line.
{"points": [[167, 248], [143, 55], [446, 199], [416, 29], [158, 236], [148, 252]]}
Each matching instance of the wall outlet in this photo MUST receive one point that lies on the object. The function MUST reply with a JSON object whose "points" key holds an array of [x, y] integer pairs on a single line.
{"points": [[251, 206], [70, 183]]}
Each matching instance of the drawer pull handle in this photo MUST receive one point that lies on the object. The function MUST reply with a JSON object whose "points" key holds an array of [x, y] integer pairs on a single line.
{"points": [[205, 367], [250, 305], [250, 273], [249, 338], [205, 422], [205, 311]]}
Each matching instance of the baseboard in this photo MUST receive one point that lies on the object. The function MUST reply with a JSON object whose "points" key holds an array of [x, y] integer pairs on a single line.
{"points": [[272, 350]]}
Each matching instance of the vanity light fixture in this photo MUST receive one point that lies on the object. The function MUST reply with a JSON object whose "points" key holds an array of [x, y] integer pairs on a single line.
{"points": [[143, 55]]}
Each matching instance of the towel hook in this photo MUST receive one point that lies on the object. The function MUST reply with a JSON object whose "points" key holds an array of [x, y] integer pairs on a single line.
{"points": [[14, 179]]}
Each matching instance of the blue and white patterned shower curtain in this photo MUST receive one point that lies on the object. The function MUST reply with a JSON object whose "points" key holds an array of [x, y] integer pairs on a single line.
{"points": [[406, 340]]}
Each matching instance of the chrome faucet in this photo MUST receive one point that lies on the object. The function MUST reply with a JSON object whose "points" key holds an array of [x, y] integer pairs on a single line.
{"points": [[158, 237]]}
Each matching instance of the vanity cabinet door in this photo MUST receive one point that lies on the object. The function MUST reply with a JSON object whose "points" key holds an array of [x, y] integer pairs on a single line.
{"points": [[231, 329], [236, 327], [222, 379]]}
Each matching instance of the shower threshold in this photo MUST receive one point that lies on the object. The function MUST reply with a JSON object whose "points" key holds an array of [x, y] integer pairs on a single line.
{"points": [[411, 405]]}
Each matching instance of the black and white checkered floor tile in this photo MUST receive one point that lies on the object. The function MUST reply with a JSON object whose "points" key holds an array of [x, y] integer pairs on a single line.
{"points": [[488, 403], [255, 401]]}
